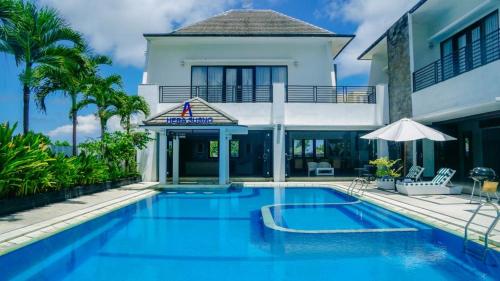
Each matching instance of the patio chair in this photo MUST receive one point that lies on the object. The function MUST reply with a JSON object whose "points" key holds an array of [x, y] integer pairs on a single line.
{"points": [[415, 173], [440, 184], [324, 168], [311, 167]]}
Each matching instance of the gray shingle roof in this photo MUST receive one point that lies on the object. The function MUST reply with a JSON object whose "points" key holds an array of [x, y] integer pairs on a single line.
{"points": [[250, 23]]}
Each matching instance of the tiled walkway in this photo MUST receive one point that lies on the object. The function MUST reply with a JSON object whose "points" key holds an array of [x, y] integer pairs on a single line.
{"points": [[449, 212], [25, 227]]}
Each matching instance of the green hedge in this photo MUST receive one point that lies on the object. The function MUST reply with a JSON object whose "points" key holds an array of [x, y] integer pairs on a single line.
{"points": [[27, 165]]}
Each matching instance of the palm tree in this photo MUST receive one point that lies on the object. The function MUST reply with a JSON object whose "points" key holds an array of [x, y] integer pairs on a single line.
{"points": [[129, 106], [7, 11], [103, 92], [37, 37], [72, 81]]}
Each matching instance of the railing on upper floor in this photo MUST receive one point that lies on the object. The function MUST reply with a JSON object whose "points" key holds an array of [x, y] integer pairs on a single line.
{"points": [[217, 94], [478, 53], [330, 94], [264, 94]]}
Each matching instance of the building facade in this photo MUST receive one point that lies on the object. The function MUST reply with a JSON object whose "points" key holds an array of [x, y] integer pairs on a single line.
{"points": [[253, 93], [441, 61]]}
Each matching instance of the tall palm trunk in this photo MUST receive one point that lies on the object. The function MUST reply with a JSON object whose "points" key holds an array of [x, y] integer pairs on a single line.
{"points": [[74, 118], [26, 108]]}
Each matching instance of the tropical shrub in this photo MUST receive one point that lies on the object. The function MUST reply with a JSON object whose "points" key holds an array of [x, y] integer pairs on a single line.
{"points": [[386, 167], [27, 165]]}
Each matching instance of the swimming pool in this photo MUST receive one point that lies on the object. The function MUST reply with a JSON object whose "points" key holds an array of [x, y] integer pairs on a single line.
{"points": [[222, 236]]}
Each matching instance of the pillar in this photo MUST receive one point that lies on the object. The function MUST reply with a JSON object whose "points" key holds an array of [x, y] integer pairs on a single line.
{"points": [[223, 156], [175, 160], [382, 148], [278, 115], [428, 153], [162, 157]]}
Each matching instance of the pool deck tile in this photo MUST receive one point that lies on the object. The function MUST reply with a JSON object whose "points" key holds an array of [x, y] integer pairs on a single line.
{"points": [[19, 229]]}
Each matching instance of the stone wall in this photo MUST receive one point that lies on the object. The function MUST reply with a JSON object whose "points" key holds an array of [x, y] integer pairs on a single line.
{"points": [[399, 73]]}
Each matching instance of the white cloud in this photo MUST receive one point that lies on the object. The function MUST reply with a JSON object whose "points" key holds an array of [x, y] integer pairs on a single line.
{"points": [[373, 18], [88, 127], [116, 26]]}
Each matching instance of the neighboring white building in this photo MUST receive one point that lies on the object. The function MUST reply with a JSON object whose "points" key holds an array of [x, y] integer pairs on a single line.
{"points": [[441, 61], [274, 77]]}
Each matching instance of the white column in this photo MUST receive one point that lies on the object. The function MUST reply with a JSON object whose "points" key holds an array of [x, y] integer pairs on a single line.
{"points": [[175, 160], [278, 132], [382, 148], [223, 157], [162, 157], [279, 153], [382, 94], [428, 151]]}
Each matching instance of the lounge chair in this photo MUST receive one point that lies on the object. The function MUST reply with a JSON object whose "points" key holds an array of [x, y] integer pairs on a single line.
{"points": [[324, 168], [440, 184], [415, 173], [311, 167]]}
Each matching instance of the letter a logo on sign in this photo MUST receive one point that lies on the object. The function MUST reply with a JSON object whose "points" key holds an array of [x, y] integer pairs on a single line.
{"points": [[187, 108]]}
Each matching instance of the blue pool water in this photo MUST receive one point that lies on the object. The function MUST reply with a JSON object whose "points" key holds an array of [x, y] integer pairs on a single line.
{"points": [[222, 237]]}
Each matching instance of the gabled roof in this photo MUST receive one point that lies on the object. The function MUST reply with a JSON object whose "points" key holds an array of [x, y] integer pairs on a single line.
{"points": [[199, 108], [251, 23]]}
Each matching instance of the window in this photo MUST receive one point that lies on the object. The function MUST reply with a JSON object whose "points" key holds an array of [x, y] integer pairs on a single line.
{"points": [[234, 148], [320, 148], [214, 149], [472, 47], [308, 148], [297, 148]]}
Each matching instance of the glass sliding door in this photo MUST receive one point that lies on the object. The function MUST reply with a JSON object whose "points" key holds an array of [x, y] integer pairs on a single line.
{"points": [[262, 83], [491, 35], [461, 59], [230, 84], [236, 83], [215, 76], [199, 82], [247, 93]]}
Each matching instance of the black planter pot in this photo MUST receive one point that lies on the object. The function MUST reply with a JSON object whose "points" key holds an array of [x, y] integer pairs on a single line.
{"points": [[18, 204]]}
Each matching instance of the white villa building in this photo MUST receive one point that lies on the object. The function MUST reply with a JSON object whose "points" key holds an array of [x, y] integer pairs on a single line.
{"points": [[441, 61], [253, 94]]}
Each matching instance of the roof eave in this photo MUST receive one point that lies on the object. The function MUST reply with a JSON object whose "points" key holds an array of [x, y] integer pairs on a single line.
{"points": [[150, 35], [373, 45]]}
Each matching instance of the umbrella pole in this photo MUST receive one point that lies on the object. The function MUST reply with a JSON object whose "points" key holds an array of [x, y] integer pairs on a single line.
{"points": [[404, 158]]}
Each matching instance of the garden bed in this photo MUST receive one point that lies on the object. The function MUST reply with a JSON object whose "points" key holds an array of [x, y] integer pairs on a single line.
{"points": [[18, 204]]}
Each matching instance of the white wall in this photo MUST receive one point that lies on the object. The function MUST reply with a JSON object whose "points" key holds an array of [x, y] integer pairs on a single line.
{"points": [[473, 92], [309, 60], [378, 69]]}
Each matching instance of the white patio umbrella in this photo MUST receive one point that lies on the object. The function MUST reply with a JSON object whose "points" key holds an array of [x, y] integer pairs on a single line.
{"points": [[406, 130]]}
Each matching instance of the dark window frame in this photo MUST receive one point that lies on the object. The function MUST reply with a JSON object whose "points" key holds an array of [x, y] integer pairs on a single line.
{"points": [[469, 43]]}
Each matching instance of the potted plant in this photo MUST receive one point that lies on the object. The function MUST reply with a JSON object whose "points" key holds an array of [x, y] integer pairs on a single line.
{"points": [[386, 172]]}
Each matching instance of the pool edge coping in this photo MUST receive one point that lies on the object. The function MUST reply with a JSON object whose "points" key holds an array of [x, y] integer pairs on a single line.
{"points": [[59, 224]]}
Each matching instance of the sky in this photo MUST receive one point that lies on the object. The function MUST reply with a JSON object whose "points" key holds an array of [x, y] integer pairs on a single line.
{"points": [[115, 28]]}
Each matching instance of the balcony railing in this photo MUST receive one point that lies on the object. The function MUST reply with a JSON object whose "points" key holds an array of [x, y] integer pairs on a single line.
{"points": [[217, 94], [478, 53], [330, 94], [262, 94]]}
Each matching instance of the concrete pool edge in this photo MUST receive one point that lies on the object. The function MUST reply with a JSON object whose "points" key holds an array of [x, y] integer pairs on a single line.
{"points": [[19, 238]]}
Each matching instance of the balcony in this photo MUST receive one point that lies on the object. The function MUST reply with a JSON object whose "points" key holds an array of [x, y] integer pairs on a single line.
{"points": [[264, 94], [330, 94], [480, 52]]}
